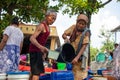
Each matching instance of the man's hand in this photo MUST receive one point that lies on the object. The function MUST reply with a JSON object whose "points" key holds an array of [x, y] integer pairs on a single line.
{"points": [[44, 50]]}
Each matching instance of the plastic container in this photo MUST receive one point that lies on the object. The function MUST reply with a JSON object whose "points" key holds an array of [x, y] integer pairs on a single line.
{"points": [[62, 75], [53, 54], [61, 66], [99, 78], [99, 72], [23, 57], [18, 75], [107, 72], [69, 66], [3, 76], [45, 77], [67, 53], [28, 57], [100, 57]]}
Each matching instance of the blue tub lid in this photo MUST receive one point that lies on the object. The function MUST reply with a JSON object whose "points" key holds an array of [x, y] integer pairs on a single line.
{"points": [[18, 72]]}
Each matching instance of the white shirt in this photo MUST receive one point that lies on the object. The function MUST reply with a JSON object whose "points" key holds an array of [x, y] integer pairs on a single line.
{"points": [[15, 35]]}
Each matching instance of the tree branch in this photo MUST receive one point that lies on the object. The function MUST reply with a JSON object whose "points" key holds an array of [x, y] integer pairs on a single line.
{"points": [[104, 3]]}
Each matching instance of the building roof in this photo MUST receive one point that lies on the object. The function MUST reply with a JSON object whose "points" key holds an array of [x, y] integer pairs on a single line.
{"points": [[117, 29]]}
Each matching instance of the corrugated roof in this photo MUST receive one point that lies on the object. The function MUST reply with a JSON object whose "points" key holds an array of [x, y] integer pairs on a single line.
{"points": [[116, 29]]}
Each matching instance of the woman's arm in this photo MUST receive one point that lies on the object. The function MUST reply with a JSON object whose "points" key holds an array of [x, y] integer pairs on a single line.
{"points": [[3, 41]]}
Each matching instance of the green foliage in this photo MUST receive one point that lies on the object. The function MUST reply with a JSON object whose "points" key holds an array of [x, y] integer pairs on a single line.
{"points": [[79, 6], [27, 10], [93, 52], [108, 43]]}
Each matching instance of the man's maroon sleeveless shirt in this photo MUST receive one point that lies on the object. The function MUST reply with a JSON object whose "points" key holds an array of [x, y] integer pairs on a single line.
{"points": [[42, 39]]}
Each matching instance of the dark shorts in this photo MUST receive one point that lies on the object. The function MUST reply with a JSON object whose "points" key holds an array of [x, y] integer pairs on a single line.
{"points": [[36, 63]]}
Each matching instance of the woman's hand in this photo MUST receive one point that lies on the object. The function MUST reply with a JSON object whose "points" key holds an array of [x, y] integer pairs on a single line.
{"points": [[75, 60], [66, 40]]}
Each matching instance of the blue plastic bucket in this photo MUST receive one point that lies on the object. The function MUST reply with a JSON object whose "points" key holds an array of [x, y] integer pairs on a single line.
{"points": [[69, 66]]}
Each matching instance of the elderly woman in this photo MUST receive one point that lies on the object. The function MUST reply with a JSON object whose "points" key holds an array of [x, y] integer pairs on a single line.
{"points": [[10, 47]]}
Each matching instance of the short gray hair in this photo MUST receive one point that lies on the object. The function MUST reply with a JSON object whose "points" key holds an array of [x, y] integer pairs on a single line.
{"points": [[51, 12]]}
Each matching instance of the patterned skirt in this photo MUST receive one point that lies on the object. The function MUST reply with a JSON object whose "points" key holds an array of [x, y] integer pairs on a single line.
{"points": [[9, 58]]}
